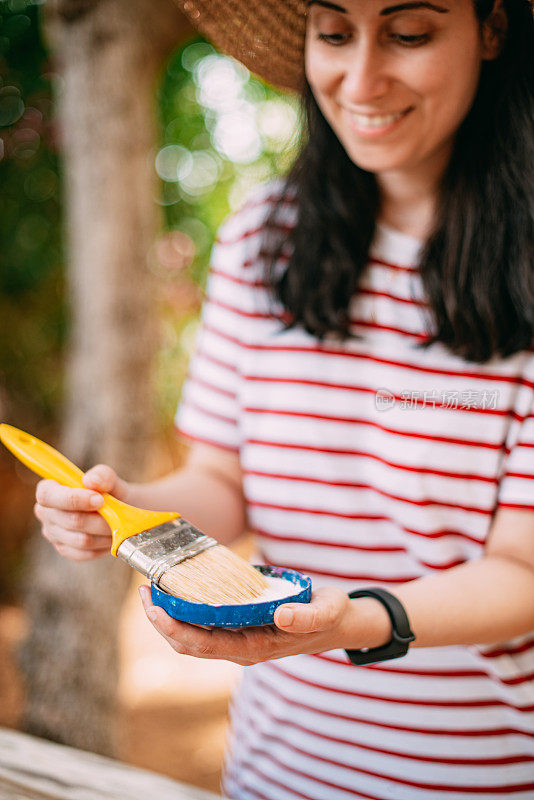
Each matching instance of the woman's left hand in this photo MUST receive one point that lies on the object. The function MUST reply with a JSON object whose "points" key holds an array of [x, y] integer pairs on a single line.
{"points": [[327, 622]]}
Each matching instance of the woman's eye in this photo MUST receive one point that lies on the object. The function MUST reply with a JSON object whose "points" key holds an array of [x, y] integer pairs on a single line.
{"points": [[406, 40], [332, 38], [410, 40]]}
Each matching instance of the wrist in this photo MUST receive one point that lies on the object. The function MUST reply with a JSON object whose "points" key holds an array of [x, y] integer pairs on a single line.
{"points": [[366, 624]]}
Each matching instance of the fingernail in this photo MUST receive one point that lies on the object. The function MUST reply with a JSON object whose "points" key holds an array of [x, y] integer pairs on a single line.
{"points": [[285, 616], [96, 500], [151, 614]]}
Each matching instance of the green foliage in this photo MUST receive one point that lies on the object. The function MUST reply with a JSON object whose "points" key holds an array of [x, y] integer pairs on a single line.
{"points": [[31, 284]]}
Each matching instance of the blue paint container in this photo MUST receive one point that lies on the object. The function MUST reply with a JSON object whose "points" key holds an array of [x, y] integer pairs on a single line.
{"points": [[237, 616]]}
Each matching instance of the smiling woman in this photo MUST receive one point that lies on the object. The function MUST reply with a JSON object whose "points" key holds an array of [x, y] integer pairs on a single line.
{"points": [[362, 396]]}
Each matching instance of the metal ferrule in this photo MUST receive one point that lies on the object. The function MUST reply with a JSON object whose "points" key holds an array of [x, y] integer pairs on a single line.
{"points": [[155, 551]]}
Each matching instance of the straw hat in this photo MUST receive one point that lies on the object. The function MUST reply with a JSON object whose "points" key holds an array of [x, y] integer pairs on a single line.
{"points": [[267, 36]]}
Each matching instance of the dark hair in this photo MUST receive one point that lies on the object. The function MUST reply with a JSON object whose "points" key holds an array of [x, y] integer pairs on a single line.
{"points": [[477, 266]]}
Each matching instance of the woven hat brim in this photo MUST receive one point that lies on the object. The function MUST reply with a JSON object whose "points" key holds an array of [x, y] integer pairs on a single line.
{"points": [[267, 36]]}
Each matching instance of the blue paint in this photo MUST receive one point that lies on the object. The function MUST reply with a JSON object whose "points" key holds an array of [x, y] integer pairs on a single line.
{"points": [[238, 616]]}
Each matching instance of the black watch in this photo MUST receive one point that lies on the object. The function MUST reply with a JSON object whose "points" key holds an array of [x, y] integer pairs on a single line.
{"points": [[401, 633]]}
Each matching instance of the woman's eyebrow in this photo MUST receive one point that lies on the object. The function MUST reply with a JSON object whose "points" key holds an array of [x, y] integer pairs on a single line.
{"points": [[326, 4], [385, 11], [414, 4]]}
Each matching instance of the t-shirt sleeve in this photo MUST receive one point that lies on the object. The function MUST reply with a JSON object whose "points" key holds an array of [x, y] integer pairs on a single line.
{"points": [[235, 309], [209, 407], [517, 483]]}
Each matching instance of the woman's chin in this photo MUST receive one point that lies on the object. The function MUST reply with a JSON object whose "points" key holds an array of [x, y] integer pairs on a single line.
{"points": [[381, 160]]}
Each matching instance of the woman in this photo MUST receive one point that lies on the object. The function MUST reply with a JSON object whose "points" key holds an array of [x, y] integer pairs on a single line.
{"points": [[362, 396]]}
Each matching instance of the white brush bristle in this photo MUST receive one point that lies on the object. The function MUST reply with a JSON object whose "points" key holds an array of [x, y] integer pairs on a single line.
{"points": [[216, 576]]}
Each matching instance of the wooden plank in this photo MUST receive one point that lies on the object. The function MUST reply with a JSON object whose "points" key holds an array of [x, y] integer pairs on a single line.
{"points": [[35, 769]]}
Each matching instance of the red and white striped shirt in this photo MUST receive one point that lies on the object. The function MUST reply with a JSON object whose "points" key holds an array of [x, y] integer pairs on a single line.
{"points": [[367, 462]]}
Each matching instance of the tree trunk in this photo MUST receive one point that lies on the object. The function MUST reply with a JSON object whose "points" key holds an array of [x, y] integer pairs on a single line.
{"points": [[109, 55]]}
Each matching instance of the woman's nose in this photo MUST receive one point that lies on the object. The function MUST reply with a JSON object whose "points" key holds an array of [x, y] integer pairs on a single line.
{"points": [[366, 76]]}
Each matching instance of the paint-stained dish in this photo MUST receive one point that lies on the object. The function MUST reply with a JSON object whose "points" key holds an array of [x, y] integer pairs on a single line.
{"points": [[260, 612]]}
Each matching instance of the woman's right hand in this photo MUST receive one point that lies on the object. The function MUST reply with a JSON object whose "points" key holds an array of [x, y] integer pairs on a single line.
{"points": [[69, 517]]}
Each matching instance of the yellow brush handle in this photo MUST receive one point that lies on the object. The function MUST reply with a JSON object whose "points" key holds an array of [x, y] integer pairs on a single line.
{"points": [[124, 520]]}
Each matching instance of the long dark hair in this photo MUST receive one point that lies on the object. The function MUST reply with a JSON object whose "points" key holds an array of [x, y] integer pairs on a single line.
{"points": [[477, 266]]}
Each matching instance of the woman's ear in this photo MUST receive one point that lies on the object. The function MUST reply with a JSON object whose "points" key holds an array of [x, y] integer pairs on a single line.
{"points": [[494, 30]]}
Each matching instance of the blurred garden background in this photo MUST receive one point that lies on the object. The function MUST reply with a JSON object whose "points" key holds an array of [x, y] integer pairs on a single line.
{"points": [[218, 132]]}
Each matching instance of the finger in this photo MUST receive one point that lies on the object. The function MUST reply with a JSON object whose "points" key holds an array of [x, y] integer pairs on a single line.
{"points": [[193, 640], [52, 495], [166, 624], [153, 614], [245, 646], [79, 555], [169, 627], [146, 598], [173, 631], [75, 539], [318, 615], [104, 479], [101, 477], [84, 521], [290, 618]]}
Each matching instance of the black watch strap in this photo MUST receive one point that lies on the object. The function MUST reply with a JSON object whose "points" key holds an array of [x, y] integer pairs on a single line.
{"points": [[401, 633]]}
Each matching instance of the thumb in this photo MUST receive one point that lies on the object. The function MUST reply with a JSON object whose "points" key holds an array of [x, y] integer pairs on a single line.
{"points": [[104, 479], [323, 612], [298, 618]]}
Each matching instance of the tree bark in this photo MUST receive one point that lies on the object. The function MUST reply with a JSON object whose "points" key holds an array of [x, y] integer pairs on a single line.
{"points": [[109, 55]]}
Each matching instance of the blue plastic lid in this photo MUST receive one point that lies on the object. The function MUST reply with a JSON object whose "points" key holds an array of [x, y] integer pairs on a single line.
{"points": [[237, 616]]}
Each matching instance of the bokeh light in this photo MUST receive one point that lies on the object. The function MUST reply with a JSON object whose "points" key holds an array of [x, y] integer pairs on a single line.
{"points": [[277, 122], [220, 81], [171, 253], [11, 105], [173, 162], [236, 136], [203, 175], [41, 184]]}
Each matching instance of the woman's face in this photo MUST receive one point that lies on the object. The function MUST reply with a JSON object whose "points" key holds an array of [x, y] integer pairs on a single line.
{"points": [[394, 79]]}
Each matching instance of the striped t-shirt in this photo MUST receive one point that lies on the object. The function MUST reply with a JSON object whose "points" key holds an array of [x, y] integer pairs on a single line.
{"points": [[367, 462]]}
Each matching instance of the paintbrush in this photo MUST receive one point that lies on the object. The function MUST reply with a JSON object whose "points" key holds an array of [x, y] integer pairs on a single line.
{"points": [[163, 546]]}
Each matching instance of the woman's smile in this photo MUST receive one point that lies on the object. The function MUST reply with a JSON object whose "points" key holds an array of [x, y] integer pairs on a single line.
{"points": [[375, 125]]}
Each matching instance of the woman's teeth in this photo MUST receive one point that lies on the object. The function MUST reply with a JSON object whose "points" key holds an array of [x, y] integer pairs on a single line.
{"points": [[376, 121]]}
